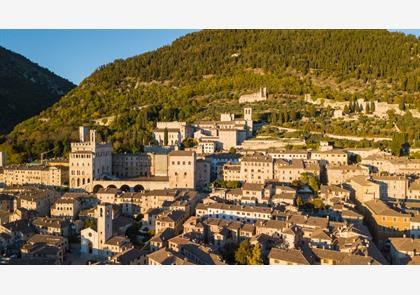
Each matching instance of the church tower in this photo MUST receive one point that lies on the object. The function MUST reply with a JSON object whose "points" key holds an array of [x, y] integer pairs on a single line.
{"points": [[248, 120], [104, 227]]}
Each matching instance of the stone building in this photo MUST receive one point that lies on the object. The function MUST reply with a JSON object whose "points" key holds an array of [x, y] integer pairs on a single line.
{"points": [[261, 95], [256, 168], [289, 171], [182, 169], [339, 173], [101, 242], [331, 157], [364, 188], [35, 174], [176, 132], [128, 165], [89, 159]]}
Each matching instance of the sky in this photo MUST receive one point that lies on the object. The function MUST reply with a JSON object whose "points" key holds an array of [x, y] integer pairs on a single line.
{"points": [[75, 54]]}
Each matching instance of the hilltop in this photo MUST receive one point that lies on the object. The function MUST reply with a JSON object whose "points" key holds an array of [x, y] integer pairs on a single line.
{"points": [[26, 89], [204, 73]]}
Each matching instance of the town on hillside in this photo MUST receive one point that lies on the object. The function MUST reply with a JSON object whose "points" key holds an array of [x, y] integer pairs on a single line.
{"points": [[212, 193]]}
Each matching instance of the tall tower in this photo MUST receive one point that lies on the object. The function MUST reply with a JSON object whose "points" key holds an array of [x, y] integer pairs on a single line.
{"points": [[248, 114], [248, 120], [83, 134], [104, 227], [92, 137]]}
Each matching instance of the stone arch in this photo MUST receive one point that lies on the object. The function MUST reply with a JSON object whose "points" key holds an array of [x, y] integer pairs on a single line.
{"points": [[96, 188], [125, 188], [111, 186], [138, 188]]}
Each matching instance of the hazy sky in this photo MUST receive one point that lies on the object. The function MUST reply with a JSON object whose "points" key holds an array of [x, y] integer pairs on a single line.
{"points": [[75, 54]]}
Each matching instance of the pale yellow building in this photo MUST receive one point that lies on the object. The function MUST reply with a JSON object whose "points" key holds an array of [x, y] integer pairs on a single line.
{"points": [[35, 174], [364, 188], [66, 208], [338, 173], [182, 169], [256, 168], [286, 171], [331, 157]]}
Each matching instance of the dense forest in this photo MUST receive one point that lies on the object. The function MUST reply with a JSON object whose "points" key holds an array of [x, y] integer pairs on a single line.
{"points": [[204, 73], [25, 89]]}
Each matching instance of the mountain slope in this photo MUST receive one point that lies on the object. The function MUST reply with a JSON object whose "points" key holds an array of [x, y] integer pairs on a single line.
{"points": [[26, 89], [203, 73]]}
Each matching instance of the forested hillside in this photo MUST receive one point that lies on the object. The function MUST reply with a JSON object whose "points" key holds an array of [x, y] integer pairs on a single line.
{"points": [[25, 89], [203, 73]]}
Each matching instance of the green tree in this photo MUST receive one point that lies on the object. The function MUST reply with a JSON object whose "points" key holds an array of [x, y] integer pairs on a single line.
{"points": [[165, 137], [401, 106], [255, 257], [90, 223], [346, 110], [310, 180], [368, 111], [399, 144], [356, 107], [372, 106], [243, 252], [248, 254], [189, 142]]}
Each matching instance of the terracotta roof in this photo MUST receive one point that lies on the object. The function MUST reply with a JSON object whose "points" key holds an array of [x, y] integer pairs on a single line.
{"points": [[341, 258], [405, 244], [181, 154], [288, 255]]}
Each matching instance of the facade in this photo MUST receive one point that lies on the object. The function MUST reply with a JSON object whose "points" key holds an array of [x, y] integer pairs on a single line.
{"points": [[232, 172], [66, 208], [182, 169], [89, 160], [339, 157], [248, 214], [131, 165], [392, 187], [386, 222], [256, 168], [35, 174], [338, 174], [392, 165], [288, 155], [364, 189], [39, 201], [286, 171]]}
